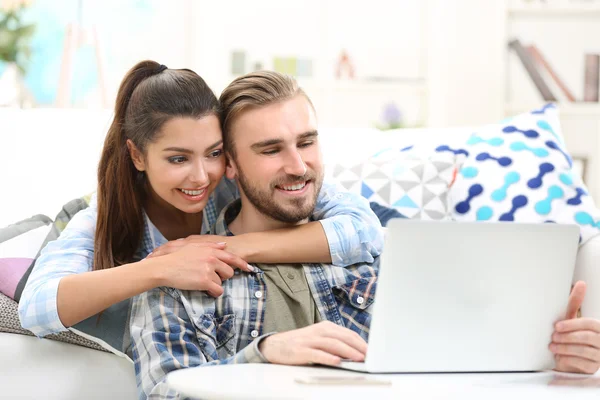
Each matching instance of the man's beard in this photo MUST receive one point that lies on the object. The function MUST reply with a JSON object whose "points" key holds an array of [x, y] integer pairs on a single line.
{"points": [[298, 209]]}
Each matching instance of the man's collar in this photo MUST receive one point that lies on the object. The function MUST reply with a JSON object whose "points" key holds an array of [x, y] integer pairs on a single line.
{"points": [[226, 217]]}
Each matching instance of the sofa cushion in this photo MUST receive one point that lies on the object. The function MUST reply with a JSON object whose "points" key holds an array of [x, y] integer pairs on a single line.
{"points": [[519, 170], [414, 184], [21, 243], [9, 323]]}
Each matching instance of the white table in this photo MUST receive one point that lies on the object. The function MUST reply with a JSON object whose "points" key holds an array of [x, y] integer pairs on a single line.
{"points": [[268, 381]]}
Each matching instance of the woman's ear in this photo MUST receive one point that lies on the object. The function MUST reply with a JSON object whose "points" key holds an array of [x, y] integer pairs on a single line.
{"points": [[136, 156], [230, 168]]}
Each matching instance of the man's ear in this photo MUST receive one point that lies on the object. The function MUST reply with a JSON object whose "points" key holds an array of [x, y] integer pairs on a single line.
{"points": [[136, 156], [230, 168]]}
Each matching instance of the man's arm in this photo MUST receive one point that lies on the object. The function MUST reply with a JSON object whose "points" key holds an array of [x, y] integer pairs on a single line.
{"points": [[163, 339]]}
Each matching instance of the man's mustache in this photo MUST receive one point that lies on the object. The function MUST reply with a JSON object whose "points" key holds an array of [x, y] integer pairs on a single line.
{"points": [[294, 179]]}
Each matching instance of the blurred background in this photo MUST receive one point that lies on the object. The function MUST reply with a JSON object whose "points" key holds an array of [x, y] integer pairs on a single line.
{"points": [[382, 64], [379, 63]]}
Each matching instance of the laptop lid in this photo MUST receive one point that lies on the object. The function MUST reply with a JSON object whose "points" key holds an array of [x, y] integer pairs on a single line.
{"points": [[462, 296]]}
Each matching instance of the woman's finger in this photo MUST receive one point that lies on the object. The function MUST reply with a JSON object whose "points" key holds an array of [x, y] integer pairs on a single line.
{"points": [[223, 270], [233, 260], [214, 289], [576, 350]]}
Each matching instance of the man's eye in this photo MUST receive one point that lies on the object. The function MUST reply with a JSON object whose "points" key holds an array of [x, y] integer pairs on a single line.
{"points": [[215, 153], [270, 152], [177, 159], [306, 144]]}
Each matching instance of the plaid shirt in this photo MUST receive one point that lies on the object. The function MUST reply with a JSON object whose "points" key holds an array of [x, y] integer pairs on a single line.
{"points": [[352, 229], [173, 329]]}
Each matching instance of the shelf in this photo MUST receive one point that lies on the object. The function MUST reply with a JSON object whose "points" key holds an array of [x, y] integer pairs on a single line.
{"points": [[591, 10], [585, 110]]}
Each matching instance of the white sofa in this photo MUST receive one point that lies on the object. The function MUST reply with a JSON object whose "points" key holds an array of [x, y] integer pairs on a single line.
{"points": [[48, 157]]}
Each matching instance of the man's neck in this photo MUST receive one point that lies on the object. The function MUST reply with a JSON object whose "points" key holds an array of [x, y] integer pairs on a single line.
{"points": [[251, 220]]}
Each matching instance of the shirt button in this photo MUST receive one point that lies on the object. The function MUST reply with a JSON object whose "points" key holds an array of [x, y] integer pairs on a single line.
{"points": [[291, 276], [258, 295], [360, 299], [339, 195], [254, 333], [237, 272]]}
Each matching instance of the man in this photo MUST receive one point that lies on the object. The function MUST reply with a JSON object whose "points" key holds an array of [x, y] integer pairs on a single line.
{"points": [[322, 313]]}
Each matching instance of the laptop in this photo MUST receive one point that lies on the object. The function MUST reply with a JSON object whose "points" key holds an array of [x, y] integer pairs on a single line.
{"points": [[469, 296]]}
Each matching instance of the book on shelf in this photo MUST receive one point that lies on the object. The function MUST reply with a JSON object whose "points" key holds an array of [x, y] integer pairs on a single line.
{"points": [[530, 66], [591, 85], [543, 62]]}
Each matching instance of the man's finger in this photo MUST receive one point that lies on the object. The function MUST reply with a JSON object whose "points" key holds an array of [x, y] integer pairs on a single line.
{"points": [[576, 350], [575, 364], [575, 299], [349, 337], [589, 338], [337, 348], [316, 356], [578, 324]]}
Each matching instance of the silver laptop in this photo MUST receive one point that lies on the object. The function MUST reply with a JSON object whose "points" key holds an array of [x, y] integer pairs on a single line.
{"points": [[469, 297]]}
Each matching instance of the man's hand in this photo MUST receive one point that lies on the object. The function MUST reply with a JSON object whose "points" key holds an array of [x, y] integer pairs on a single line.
{"points": [[323, 343], [576, 341]]}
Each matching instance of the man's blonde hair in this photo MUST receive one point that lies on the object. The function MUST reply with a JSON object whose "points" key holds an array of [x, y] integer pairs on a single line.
{"points": [[256, 89]]}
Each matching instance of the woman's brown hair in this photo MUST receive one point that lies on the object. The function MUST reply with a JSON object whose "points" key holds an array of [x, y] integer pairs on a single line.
{"points": [[149, 96]]}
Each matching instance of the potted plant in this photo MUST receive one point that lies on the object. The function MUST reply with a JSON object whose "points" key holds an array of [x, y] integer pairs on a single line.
{"points": [[15, 50]]}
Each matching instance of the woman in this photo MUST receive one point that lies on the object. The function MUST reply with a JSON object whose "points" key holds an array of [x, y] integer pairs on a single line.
{"points": [[161, 162]]}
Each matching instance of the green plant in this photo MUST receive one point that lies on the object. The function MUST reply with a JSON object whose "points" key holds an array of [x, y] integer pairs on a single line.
{"points": [[15, 35]]}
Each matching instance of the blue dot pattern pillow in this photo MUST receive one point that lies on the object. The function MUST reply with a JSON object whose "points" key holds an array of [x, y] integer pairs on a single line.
{"points": [[520, 171]]}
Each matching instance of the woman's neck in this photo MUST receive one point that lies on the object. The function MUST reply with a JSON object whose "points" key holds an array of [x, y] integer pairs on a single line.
{"points": [[170, 221]]}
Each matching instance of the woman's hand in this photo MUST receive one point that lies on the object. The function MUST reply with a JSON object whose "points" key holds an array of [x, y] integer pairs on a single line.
{"points": [[576, 341], [233, 244], [197, 266]]}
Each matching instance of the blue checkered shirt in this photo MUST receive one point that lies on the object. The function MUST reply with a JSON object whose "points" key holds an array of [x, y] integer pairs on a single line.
{"points": [[173, 329], [353, 231]]}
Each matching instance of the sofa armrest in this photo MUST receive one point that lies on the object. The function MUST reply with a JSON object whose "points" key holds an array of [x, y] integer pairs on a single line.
{"points": [[587, 269], [33, 368]]}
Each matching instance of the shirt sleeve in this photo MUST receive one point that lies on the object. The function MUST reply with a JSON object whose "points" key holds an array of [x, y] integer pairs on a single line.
{"points": [[71, 253], [353, 230], [163, 339]]}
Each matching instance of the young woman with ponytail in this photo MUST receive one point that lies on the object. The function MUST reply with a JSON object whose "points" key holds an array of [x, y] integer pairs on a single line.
{"points": [[159, 180]]}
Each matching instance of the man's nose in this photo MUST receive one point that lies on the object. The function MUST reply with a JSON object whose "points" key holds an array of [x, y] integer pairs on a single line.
{"points": [[294, 164]]}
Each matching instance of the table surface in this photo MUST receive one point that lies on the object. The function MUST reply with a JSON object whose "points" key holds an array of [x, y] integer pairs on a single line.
{"points": [[269, 381]]}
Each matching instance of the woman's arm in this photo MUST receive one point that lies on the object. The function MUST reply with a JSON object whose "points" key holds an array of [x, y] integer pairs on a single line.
{"points": [[62, 289], [347, 232]]}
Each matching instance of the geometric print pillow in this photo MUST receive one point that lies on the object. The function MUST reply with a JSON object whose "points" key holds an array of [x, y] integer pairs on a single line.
{"points": [[415, 185], [520, 171]]}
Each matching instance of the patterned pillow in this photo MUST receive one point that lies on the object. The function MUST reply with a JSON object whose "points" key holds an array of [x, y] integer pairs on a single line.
{"points": [[416, 185], [520, 171], [21, 243]]}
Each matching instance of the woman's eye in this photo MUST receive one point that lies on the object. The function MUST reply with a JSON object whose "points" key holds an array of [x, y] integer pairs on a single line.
{"points": [[177, 159], [215, 153]]}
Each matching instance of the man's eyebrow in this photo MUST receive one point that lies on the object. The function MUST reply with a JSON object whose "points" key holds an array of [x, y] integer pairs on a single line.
{"points": [[188, 151], [271, 142]]}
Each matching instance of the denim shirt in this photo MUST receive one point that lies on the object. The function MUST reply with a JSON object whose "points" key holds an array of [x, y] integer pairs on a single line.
{"points": [[173, 329]]}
